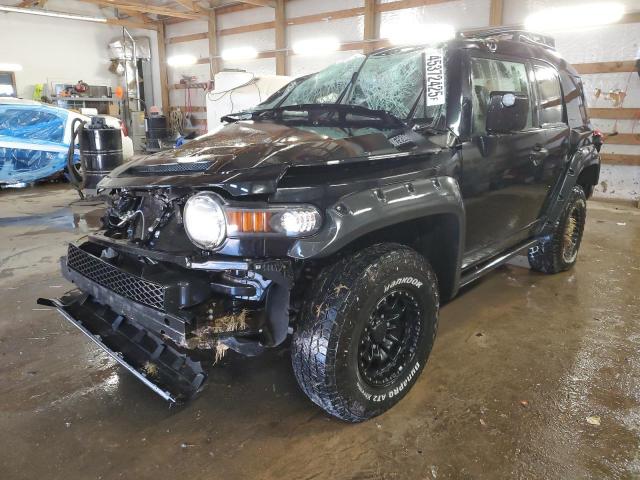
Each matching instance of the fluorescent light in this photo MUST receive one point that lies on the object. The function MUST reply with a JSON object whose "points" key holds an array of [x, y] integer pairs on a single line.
{"points": [[316, 46], [48, 13], [239, 53], [10, 67], [181, 60], [419, 34], [584, 15]]}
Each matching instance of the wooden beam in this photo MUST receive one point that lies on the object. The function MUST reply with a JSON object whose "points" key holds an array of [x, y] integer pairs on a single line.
{"points": [[261, 3], [403, 4], [188, 38], [606, 67], [164, 78], [313, 18], [144, 8], [370, 24], [136, 15], [615, 113], [622, 139], [247, 28], [213, 44], [281, 38], [123, 22], [620, 159], [496, 10], [188, 4]]}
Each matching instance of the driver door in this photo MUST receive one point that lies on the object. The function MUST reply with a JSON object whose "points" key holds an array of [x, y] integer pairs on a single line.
{"points": [[501, 172]]}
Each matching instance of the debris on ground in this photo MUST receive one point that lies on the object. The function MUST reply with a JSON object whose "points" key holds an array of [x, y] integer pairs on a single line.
{"points": [[524, 403], [221, 351], [593, 420], [150, 369]]}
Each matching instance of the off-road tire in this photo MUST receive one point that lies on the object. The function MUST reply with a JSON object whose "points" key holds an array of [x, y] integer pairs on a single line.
{"points": [[550, 255], [339, 306]]}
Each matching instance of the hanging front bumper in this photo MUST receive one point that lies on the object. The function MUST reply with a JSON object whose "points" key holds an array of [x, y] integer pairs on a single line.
{"points": [[171, 374]]}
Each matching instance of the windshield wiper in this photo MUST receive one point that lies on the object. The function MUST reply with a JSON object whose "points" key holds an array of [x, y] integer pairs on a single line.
{"points": [[342, 110]]}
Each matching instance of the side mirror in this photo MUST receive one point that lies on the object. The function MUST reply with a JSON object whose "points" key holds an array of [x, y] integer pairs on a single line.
{"points": [[507, 112]]}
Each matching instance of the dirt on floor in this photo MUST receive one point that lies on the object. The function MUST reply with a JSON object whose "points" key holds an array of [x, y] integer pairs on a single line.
{"points": [[532, 376]]}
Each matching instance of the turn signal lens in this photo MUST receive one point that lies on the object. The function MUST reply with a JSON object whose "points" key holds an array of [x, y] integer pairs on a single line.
{"points": [[289, 221], [248, 221]]}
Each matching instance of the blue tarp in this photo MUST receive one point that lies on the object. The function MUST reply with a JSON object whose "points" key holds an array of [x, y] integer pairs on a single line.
{"points": [[32, 145]]}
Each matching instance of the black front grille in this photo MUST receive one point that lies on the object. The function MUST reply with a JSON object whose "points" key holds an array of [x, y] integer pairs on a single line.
{"points": [[184, 167], [123, 283]]}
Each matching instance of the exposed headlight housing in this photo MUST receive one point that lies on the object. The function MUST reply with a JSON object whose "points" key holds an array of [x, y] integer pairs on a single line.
{"points": [[205, 221]]}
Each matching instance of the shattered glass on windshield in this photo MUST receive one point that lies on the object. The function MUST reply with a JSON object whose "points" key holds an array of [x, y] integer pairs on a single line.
{"points": [[326, 85], [389, 82]]}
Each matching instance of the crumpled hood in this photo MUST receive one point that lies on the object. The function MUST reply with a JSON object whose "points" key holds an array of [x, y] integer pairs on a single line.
{"points": [[260, 150]]}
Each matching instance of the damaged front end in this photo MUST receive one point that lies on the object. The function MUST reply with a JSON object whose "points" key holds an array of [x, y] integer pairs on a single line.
{"points": [[157, 304]]}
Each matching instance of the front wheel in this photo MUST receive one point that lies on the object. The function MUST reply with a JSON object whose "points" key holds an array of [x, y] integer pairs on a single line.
{"points": [[558, 252], [366, 331]]}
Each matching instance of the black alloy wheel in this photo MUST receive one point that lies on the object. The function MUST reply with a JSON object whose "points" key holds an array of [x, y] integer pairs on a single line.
{"points": [[389, 339]]}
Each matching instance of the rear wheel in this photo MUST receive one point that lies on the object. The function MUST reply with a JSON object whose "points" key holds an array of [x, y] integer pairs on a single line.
{"points": [[559, 251], [366, 331]]}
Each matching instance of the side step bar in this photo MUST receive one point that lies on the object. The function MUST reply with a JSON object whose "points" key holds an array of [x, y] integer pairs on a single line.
{"points": [[476, 272], [171, 374]]}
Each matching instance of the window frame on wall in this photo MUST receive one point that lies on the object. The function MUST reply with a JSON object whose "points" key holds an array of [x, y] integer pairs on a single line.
{"points": [[532, 93], [12, 76]]}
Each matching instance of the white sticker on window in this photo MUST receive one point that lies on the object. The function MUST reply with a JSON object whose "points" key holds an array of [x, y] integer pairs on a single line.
{"points": [[434, 76]]}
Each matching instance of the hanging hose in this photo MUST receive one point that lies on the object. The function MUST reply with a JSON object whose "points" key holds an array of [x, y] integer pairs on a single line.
{"points": [[75, 175]]}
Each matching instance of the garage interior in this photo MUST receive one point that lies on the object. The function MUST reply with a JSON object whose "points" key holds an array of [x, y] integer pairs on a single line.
{"points": [[531, 376]]}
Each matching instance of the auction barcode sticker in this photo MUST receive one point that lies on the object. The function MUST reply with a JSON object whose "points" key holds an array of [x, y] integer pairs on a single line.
{"points": [[434, 61]]}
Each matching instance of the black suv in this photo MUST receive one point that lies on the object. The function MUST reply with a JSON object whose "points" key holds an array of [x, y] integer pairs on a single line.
{"points": [[342, 211]]}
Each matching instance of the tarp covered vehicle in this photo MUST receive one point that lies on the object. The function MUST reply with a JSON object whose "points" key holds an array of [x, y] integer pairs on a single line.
{"points": [[34, 140]]}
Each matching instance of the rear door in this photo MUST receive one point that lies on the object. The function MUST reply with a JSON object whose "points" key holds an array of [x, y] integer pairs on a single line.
{"points": [[552, 154]]}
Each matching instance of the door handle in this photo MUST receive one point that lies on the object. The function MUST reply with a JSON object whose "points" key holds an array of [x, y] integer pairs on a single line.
{"points": [[538, 154]]}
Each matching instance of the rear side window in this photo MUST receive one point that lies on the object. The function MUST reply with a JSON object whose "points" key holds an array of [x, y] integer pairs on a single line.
{"points": [[495, 76], [549, 94], [574, 101]]}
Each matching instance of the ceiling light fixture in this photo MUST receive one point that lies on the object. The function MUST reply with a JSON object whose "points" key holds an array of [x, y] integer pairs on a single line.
{"points": [[316, 46], [422, 34], [48, 13], [182, 60], [239, 53], [584, 15]]}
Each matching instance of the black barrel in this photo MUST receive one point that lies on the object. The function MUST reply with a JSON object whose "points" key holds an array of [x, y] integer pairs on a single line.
{"points": [[100, 151], [156, 131]]}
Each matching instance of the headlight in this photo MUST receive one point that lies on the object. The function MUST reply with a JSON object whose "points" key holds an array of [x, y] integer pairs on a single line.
{"points": [[208, 221], [204, 221]]}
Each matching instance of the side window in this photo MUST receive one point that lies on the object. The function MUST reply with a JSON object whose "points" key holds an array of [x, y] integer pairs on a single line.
{"points": [[495, 76], [583, 103], [549, 94]]}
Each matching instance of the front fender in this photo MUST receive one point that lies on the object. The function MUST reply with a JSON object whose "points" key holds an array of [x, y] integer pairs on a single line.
{"points": [[360, 213]]}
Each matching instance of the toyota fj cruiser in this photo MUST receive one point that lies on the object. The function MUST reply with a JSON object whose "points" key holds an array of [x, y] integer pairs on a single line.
{"points": [[342, 211]]}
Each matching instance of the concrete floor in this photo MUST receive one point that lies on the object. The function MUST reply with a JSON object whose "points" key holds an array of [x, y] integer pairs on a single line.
{"points": [[521, 361]]}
